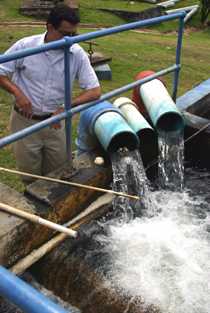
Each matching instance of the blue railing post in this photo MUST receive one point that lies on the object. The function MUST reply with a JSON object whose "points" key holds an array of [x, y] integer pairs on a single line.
{"points": [[68, 99], [24, 296], [178, 56]]}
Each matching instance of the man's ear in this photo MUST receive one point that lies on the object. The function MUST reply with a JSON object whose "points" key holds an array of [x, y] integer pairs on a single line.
{"points": [[49, 27]]}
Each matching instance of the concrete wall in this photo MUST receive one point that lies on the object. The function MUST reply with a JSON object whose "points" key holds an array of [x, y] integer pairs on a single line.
{"points": [[53, 201], [41, 8]]}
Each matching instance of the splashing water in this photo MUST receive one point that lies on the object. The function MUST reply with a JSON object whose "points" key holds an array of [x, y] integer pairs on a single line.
{"points": [[129, 177], [171, 160], [165, 258], [162, 258]]}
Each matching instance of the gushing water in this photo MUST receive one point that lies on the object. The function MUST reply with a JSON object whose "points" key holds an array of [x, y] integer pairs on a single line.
{"points": [[162, 258], [171, 160], [129, 177]]}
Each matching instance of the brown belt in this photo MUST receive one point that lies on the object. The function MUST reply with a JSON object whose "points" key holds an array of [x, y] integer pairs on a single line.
{"points": [[34, 116]]}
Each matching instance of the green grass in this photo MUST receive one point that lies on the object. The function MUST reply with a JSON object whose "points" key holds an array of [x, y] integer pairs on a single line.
{"points": [[104, 18], [90, 13], [90, 10], [9, 10], [115, 4]]}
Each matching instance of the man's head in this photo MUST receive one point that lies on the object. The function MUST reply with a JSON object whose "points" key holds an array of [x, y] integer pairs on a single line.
{"points": [[62, 21]]}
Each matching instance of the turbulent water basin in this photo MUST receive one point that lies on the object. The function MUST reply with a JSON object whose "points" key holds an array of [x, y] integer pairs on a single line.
{"points": [[147, 256], [159, 263]]}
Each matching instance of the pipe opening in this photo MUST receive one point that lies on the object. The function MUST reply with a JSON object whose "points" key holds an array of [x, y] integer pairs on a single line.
{"points": [[121, 140], [170, 122], [146, 136]]}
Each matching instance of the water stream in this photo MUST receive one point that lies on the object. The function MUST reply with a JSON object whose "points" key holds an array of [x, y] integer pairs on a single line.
{"points": [[153, 256], [161, 256], [164, 259], [129, 177], [171, 160]]}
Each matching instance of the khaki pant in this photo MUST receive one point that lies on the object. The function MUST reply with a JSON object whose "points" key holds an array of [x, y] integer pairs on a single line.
{"points": [[41, 152]]}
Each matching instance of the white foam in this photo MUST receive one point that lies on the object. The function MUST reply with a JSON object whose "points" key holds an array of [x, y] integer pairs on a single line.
{"points": [[166, 258]]}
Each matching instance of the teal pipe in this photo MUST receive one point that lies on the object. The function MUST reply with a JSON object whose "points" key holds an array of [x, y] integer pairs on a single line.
{"points": [[105, 122], [135, 119], [161, 108]]}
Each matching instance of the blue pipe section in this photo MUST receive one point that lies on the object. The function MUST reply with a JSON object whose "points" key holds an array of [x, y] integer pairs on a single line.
{"points": [[67, 102], [24, 296], [106, 123], [178, 57], [68, 41], [57, 118]]}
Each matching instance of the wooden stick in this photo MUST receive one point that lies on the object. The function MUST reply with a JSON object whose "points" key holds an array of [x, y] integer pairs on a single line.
{"points": [[38, 220], [55, 180], [22, 265]]}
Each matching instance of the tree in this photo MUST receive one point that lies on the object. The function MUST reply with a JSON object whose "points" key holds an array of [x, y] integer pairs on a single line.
{"points": [[205, 10]]}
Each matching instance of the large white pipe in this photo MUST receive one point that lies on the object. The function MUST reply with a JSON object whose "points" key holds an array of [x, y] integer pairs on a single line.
{"points": [[135, 119], [160, 106]]}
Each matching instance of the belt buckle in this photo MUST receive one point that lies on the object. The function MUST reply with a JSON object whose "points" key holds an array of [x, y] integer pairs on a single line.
{"points": [[33, 116]]}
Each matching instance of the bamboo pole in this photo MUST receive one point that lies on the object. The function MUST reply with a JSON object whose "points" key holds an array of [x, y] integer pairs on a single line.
{"points": [[60, 181], [37, 219], [22, 265]]}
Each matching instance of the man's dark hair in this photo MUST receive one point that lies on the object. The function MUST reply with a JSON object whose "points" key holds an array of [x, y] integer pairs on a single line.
{"points": [[62, 12]]}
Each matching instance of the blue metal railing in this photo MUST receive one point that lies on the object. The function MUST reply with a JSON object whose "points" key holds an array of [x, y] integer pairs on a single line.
{"points": [[65, 43], [24, 296]]}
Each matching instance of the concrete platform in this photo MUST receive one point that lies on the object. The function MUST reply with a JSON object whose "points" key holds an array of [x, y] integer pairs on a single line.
{"points": [[56, 202], [195, 98]]}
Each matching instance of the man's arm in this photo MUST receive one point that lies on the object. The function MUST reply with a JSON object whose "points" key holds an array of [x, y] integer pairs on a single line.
{"points": [[87, 80], [84, 97], [6, 71], [21, 100], [87, 96]]}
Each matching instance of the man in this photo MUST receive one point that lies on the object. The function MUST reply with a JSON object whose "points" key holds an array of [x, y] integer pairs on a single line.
{"points": [[37, 84]]}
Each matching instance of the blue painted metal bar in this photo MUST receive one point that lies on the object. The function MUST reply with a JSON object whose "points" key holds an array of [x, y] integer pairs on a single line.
{"points": [[24, 296], [123, 89], [125, 27], [68, 93], [31, 51], [68, 41], [29, 130], [178, 57]]}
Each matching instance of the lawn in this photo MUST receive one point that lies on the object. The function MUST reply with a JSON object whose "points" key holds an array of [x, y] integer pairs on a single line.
{"points": [[131, 52], [90, 11]]}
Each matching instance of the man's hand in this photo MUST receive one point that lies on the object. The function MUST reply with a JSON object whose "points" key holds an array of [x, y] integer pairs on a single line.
{"points": [[58, 124], [23, 104], [87, 96]]}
